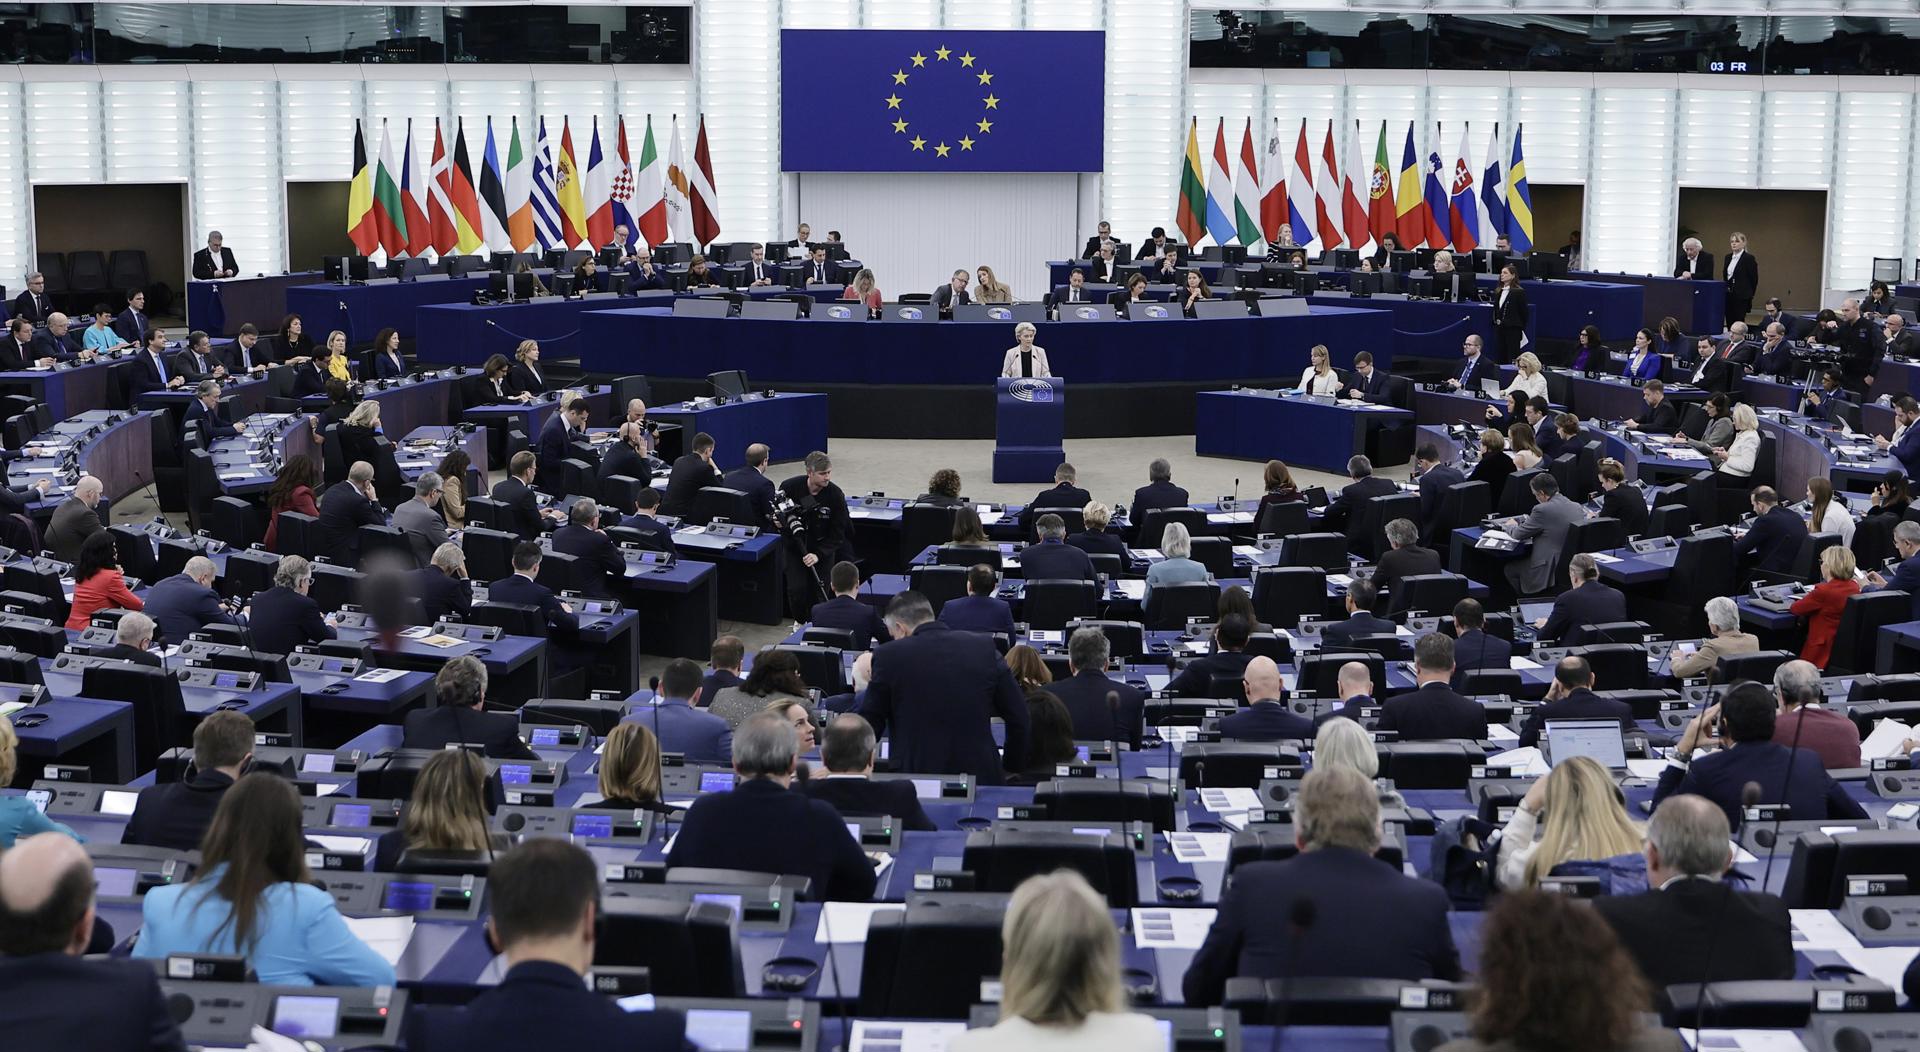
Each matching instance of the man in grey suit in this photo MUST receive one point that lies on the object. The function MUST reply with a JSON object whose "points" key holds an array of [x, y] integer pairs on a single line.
{"points": [[417, 519], [1546, 526], [74, 520]]}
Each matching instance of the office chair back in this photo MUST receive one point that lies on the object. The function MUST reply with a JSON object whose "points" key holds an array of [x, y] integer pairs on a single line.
{"points": [[1125, 639], [939, 583], [1327, 551], [1106, 800], [1001, 859], [1169, 605], [690, 948], [927, 960], [1048, 605]]}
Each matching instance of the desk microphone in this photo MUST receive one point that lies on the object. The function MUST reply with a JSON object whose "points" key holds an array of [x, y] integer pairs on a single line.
{"points": [[1773, 836], [1749, 796]]}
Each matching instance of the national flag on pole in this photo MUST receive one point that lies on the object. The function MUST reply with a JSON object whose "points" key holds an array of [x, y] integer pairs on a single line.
{"points": [[1410, 220], [519, 193], [1246, 190], [1435, 220], [1465, 212], [468, 224], [702, 194], [1326, 184], [650, 191], [362, 227], [679, 211], [1220, 189], [1302, 205], [546, 205], [1381, 211], [388, 214], [440, 197], [1493, 194], [1273, 199], [413, 200], [493, 197], [1190, 211], [599, 190], [1519, 199], [621, 193], [567, 188], [1353, 201]]}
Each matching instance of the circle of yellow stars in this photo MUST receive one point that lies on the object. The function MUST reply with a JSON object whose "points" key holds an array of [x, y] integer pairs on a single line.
{"points": [[918, 60]]}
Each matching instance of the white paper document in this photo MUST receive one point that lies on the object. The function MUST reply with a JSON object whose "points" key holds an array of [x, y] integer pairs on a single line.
{"points": [[1521, 664], [876, 1036], [1169, 929], [1885, 741], [1500, 732], [1132, 589], [1603, 557], [386, 936], [1885, 963], [1646, 768], [380, 675], [343, 845], [848, 921], [1237, 798], [1199, 847], [1524, 761], [264, 1040], [1821, 930]]}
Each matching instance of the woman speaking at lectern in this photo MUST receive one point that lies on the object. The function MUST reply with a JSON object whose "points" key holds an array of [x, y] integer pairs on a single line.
{"points": [[1024, 359]]}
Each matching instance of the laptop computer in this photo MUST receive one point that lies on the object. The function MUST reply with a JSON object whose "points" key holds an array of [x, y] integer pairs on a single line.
{"points": [[1531, 612], [1598, 740]]}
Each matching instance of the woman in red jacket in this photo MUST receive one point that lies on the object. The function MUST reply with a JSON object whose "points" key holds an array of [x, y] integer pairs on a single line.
{"points": [[1822, 606], [98, 582], [292, 491]]}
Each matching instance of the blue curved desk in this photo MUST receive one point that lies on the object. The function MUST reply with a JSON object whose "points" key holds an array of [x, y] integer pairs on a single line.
{"points": [[649, 340]]}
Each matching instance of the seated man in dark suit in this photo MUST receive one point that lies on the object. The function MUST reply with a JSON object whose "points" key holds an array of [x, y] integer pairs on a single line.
{"points": [[1065, 493], [1473, 646], [766, 827], [979, 610], [1586, 602], [56, 998], [1366, 381], [177, 814], [207, 417], [1361, 595], [1227, 662], [1405, 559], [1785, 775], [628, 455], [1103, 709], [344, 508], [847, 753], [953, 294], [74, 520], [198, 362], [1344, 511], [150, 370], [1571, 697], [655, 534], [16, 351], [516, 494], [1331, 910], [1775, 354], [522, 588], [1432, 710], [460, 689], [186, 602], [442, 587], [751, 479], [132, 324], [846, 610], [562, 438], [1435, 479], [1773, 541], [1158, 493], [284, 617], [1659, 417], [590, 547], [1266, 717], [1689, 911], [543, 904], [691, 473], [1354, 683], [724, 659], [1052, 559], [1819, 402], [59, 341], [132, 635]]}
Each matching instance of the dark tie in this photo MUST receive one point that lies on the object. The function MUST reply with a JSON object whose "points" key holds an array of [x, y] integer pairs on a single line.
{"points": [[1464, 370]]}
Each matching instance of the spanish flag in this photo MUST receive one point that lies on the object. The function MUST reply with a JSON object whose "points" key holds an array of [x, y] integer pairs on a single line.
{"points": [[566, 184], [362, 225]]}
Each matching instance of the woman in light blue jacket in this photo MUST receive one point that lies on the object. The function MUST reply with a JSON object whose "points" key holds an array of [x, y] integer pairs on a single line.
{"points": [[252, 897], [1177, 567], [18, 815]]}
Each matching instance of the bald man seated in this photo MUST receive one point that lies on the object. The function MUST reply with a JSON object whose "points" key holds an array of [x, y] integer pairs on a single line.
{"points": [[1266, 717], [55, 998]]}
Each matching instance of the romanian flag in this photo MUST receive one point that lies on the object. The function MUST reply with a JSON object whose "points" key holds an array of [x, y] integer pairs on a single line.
{"points": [[566, 184], [1191, 206], [360, 218], [1410, 222]]}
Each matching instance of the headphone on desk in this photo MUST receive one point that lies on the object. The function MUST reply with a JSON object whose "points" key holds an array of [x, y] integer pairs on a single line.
{"points": [[789, 975]]}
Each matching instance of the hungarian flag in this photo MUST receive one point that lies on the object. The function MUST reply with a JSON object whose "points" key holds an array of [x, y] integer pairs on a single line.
{"points": [[445, 233], [413, 200], [360, 220], [1246, 190], [388, 215], [1190, 214], [470, 227], [701, 194]]}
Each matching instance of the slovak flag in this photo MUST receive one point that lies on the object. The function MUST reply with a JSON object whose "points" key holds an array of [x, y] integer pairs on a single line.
{"points": [[1464, 208]]}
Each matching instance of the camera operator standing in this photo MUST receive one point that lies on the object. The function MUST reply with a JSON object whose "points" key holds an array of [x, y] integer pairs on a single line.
{"points": [[812, 512]]}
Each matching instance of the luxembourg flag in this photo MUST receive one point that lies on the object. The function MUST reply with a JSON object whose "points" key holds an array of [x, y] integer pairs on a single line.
{"points": [[1465, 212], [1493, 194], [1302, 204], [1220, 224], [1327, 186]]}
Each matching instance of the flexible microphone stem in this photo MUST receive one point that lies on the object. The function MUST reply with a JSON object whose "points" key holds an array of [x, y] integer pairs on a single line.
{"points": [[1749, 796]]}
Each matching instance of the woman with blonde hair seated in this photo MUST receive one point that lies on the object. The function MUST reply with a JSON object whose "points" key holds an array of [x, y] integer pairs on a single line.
{"points": [[1577, 813], [630, 770], [1060, 977], [990, 289], [864, 290], [1738, 459], [1527, 376], [447, 811], [1095, 540], [1344, 743]]}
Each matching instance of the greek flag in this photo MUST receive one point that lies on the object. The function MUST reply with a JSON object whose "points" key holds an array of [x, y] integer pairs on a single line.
{"points": [[546, 206]]}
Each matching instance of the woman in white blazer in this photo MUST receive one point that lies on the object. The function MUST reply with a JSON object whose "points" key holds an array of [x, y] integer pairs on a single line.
{"points": [[1527, 377], [1738, 459], [1320, 378], [1010, 367]]}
